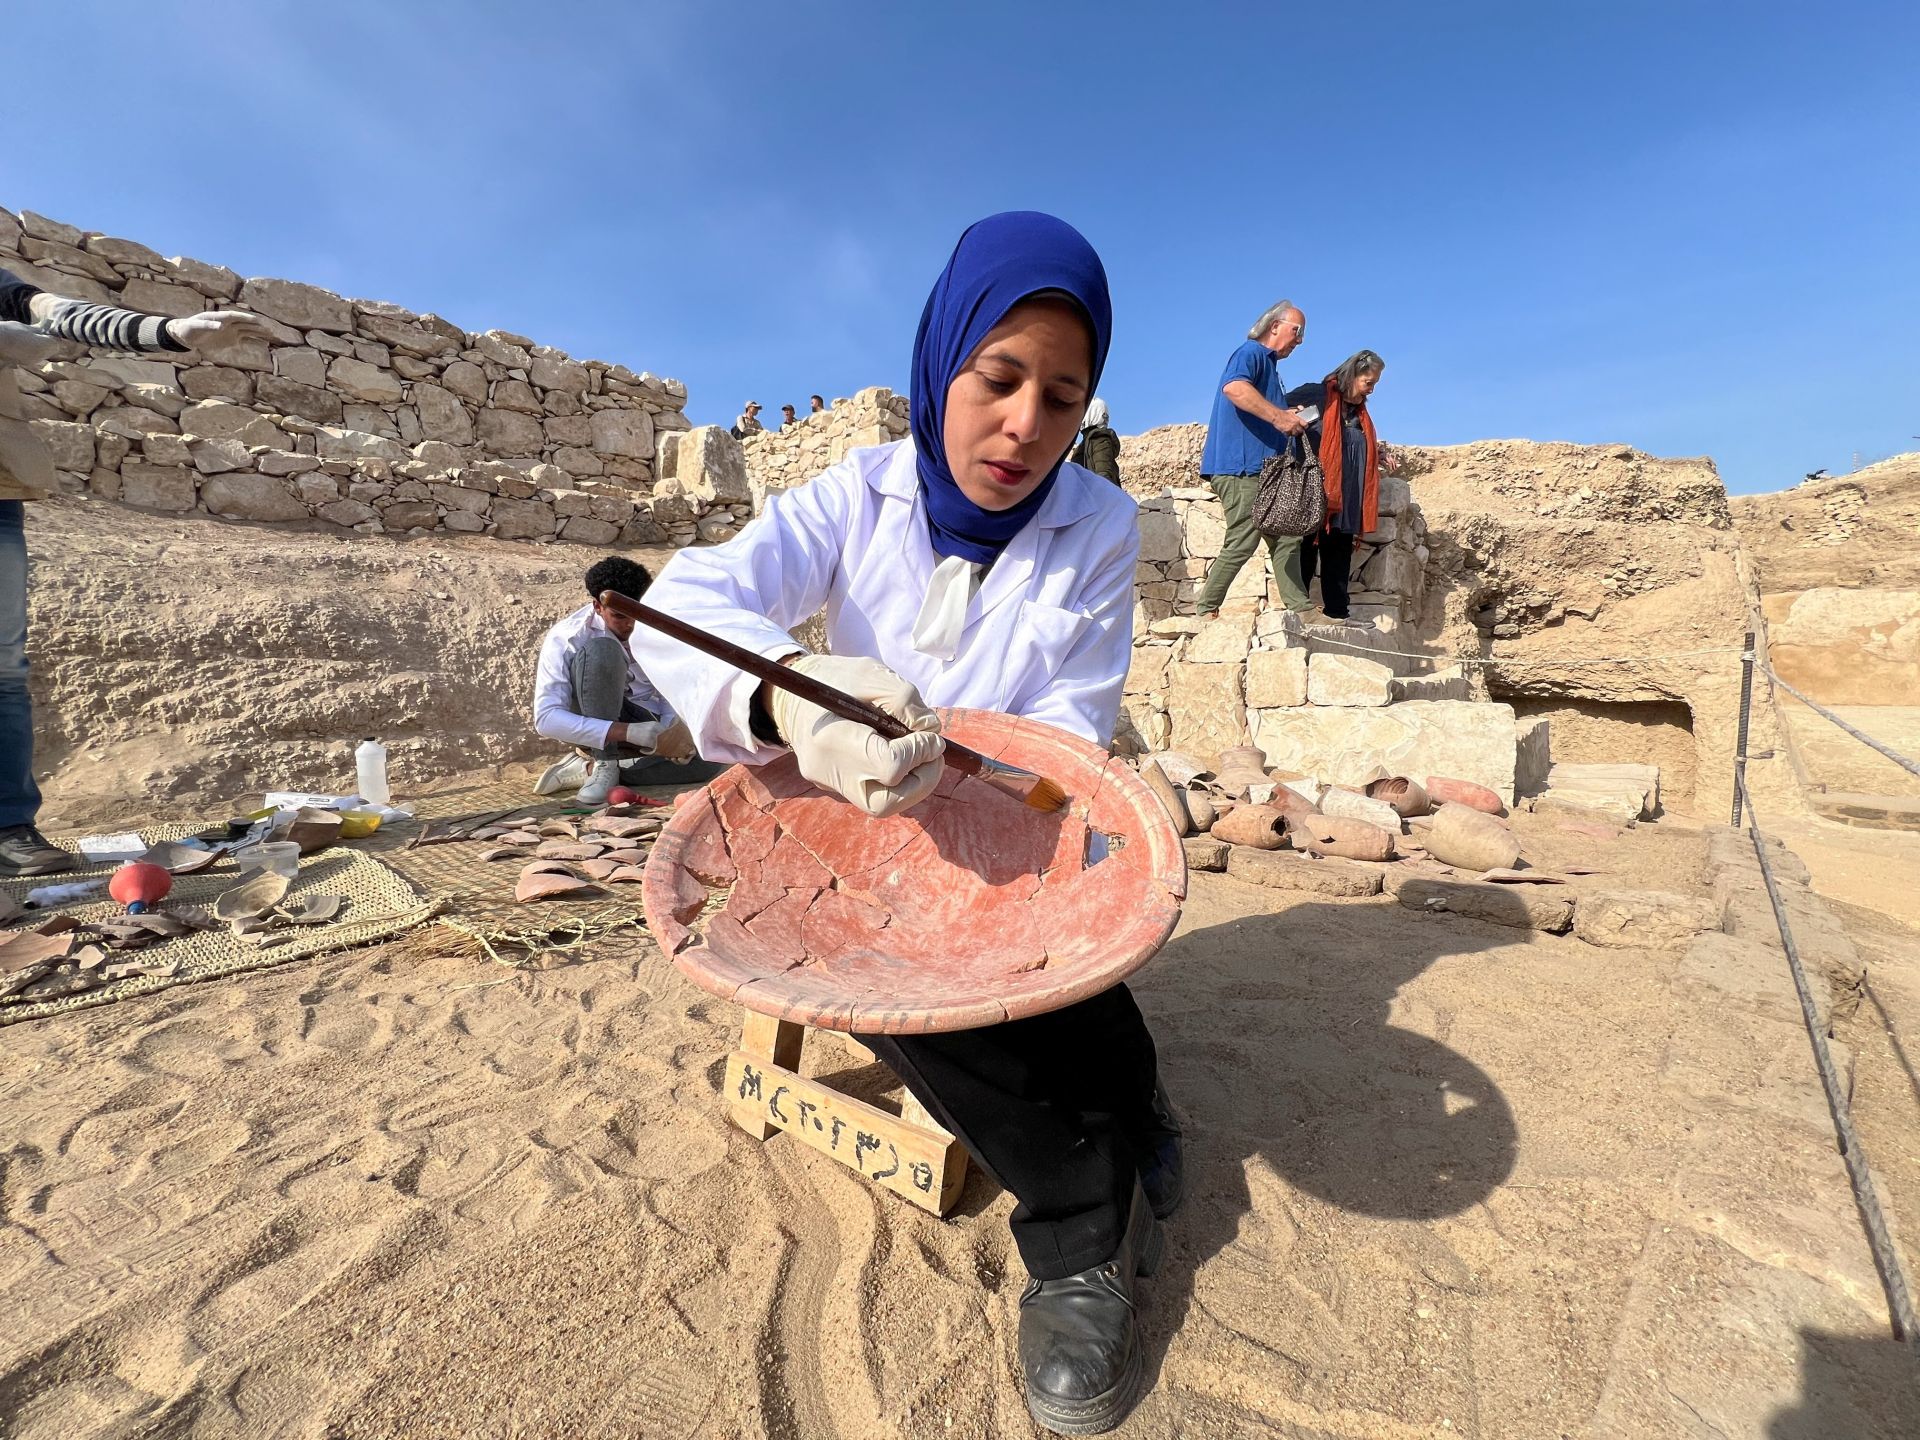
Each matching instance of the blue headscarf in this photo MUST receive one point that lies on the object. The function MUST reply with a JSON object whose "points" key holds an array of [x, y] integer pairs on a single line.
{"points": [[999, 262]]}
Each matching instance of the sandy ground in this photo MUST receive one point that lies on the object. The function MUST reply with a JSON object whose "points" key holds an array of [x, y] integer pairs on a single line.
{"points": [[1447, 1179]]}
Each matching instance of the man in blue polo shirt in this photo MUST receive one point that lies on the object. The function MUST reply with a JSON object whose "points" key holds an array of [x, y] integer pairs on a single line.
{"points": [[1250, 422]]}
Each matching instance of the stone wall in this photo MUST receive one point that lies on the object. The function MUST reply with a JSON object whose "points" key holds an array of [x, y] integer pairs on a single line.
{"points": [[356, 414], [780, 459]]}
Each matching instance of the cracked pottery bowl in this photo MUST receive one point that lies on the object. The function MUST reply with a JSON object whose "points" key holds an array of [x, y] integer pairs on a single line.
{"points": [[969, 909]]}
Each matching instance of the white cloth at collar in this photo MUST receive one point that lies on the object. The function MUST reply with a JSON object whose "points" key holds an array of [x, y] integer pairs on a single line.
{"points": [[943, 614]]}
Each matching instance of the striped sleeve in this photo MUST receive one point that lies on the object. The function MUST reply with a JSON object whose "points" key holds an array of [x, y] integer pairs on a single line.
{"points": [[107, 328]]}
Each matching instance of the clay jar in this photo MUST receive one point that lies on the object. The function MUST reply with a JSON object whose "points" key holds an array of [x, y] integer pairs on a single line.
{"points": [[1471, 840], [1169, 796], [1407, 796], [1334, 835], [1240, 767], [1261, 827], [1444, 791]]}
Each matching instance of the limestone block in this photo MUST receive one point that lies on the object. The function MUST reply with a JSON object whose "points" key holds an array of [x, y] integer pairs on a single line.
{"points": [[1276, 678], [77, 397], [522, 519], [154, 297], [1289, 870], [513, 394], [1206, 853], [216, 282], [295, 397], [1249, 587], [126, 370], [371, 383], [578, 463], [1641, 919], [305, 307], [409, 515], [1206, 530], [467, 380], [316, 490], [1525, 907], [332, 443], [217, 382], [585, 530], [123, 252], [1205, 708], [163, 449], [1160, 538], [1146, 672], [630, 432], [1392, 571], [210, 457], [715, 529], [442, 416], [1224, 641], [508, 432], [158, 487], [250, 497], [574, 430], [70, 442], [217, 420], [1144, 719], [347, 513], [1449, 682], [42, 228], [298, 363], [556, 372], [464, 521], [1395, 496], [668, 456], [1350, 745], [642, 529], [1334, 679], [1174, 626], [400, 331], [710, 465]]}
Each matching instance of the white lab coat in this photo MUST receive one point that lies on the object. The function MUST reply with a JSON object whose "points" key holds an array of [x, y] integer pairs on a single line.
{"points": [[553, 713], [1048, 633]]}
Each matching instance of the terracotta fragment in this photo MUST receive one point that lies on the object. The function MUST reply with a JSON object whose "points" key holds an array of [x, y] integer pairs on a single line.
{"points": [[557, 830], [567, 849], [178, 859], [251, 898], [1172, 799], [1405, 795], [538, 885]]}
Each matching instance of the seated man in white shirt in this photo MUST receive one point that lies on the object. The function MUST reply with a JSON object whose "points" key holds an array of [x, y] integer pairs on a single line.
{"points": [[589, 692]]}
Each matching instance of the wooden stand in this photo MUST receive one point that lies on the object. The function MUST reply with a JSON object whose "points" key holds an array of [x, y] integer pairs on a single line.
{"points": [[907, 1153]]}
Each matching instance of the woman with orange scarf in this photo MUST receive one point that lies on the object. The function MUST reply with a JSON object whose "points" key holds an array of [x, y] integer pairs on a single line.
{"points": [[1350, 461]]}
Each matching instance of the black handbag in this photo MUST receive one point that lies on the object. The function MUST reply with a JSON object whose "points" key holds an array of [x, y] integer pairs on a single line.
{"points": [[1292, 498]]}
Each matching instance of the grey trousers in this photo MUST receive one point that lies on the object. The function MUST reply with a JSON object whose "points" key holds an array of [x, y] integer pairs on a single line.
{"points": [[599, 676]]}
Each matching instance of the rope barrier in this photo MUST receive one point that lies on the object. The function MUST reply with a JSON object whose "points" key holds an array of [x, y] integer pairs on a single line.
{"points": [[1886, 1257], [1865, 739]]}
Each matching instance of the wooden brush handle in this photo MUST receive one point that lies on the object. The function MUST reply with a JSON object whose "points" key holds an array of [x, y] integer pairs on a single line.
{"points": [[782, 677]]}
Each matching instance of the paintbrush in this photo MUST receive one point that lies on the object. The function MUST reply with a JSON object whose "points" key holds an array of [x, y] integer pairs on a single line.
{"points": [[1030, 789]]}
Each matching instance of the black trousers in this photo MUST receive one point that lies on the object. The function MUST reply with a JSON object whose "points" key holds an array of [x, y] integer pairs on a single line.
{"points": [[1331, 553], [1056, 1107]]}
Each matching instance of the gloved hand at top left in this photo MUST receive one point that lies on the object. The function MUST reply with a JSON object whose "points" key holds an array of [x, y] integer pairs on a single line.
{"points": [[217, 327]]}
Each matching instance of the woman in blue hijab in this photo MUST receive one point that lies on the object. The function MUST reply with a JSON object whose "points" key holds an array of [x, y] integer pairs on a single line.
{"points": [[971, 565]]}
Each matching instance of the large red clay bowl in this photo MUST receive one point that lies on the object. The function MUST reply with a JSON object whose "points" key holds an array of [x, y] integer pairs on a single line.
{"points": [[969, 909]]}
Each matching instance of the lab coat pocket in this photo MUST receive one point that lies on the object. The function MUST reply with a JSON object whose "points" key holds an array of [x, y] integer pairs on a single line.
{"points": [[1037, 649]]}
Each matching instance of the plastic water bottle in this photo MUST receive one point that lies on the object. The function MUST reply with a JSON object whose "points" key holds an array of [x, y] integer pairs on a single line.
{"points": [[370, 759]]}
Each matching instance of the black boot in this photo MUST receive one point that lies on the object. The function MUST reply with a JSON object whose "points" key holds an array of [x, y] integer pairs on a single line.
{"points": [[1163, 1170], [25, 851], [1079, 1343]]}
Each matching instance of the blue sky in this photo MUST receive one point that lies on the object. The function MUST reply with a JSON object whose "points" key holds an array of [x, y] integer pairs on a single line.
{"points": [[1689, 227]]}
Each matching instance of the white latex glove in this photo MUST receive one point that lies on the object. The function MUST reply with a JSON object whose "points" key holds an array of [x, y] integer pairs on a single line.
{"points": [[643, 734], [675, 743], [882, 777], [217, 327]]}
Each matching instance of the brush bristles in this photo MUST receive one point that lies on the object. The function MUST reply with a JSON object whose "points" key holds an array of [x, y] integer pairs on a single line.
{"points": [[1046, 797]]}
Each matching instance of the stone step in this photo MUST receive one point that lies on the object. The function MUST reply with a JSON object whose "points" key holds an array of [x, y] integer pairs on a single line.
{"points": [[1622, 793]]}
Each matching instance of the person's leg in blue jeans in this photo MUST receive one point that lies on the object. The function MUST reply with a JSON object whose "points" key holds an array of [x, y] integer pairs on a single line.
{"points": [[22, 849]]}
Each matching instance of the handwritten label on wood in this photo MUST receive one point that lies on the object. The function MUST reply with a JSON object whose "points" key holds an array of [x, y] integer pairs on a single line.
{"points": [[924, 1167]]}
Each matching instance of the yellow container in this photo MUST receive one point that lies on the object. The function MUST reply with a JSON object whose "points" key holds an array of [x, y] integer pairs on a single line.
{"points": [[358, 824]]}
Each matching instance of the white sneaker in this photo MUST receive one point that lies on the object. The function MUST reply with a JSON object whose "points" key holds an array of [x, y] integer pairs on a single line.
{"points": [[567, 774], [602, 776]]}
